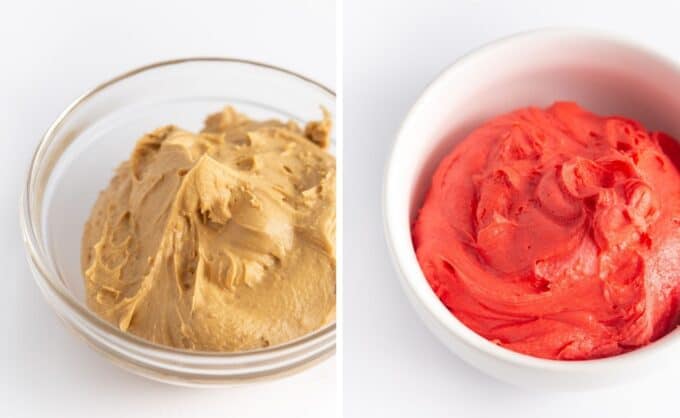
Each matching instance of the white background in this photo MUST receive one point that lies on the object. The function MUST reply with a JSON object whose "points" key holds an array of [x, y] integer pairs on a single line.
{"points": [[392, 365], [51, 52]]}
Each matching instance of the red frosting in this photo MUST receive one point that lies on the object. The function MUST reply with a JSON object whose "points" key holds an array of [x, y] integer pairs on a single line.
{"points": [[556, 233]]}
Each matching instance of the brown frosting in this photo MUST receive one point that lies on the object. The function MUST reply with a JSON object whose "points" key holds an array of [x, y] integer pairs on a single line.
{"points": [[218, 241]]}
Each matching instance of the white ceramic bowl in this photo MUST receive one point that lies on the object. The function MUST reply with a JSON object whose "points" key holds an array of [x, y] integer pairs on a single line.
{"points": [[607, 76]]}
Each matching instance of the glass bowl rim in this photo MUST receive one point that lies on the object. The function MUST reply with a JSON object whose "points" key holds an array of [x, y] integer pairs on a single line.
{"points": [[31, 240]]}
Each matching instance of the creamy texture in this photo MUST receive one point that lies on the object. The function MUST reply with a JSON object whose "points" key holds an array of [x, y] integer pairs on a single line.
{"points": [[556, 233], [219, 241]]}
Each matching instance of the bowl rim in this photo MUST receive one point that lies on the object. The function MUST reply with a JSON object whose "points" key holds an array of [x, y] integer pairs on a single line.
{"points": [[403, 257], [31, 241]]}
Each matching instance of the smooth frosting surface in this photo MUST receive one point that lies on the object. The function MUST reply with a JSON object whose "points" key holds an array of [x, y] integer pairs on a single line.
{"points": [[222, 240], [556, 233]]}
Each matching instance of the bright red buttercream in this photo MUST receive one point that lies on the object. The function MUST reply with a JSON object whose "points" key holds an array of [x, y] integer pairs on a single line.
{"points": [[556, 233]]}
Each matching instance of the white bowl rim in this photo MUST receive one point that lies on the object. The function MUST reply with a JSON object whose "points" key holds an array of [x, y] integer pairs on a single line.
{"points": [[403, 255]]}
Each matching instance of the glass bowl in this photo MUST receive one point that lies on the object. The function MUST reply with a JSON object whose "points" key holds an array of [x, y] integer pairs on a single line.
{"points": [[76, 160]]}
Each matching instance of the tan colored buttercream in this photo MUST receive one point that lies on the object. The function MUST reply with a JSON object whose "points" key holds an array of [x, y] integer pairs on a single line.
{"points": [[218, 241]]}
